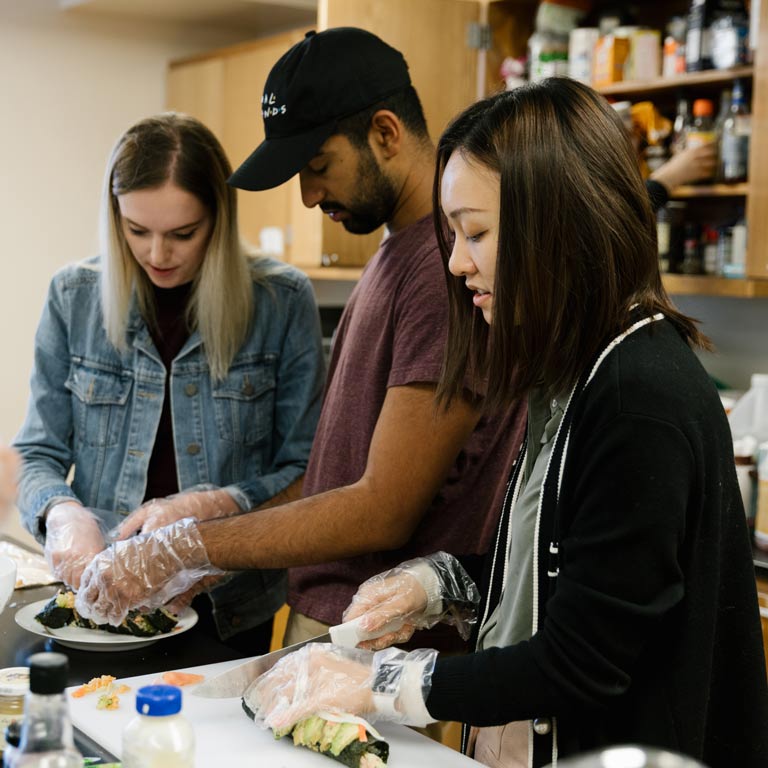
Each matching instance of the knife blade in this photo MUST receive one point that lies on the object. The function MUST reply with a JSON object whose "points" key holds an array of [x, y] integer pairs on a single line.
{"points": [[234, 681]]}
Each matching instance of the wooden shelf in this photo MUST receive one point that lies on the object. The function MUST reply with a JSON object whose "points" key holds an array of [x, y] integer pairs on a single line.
{"points": [[706, 285], [333, 273], [711, 190], [688, 80]]}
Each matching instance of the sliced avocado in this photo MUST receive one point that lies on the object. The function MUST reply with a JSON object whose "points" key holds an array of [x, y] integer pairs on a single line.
{"points": [[329, 734], [347, 733], [298, 733], [313, 730]]}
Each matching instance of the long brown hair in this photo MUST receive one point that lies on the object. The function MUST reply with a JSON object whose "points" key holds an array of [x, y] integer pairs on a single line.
{"points": [[178, 148], [577, 242]]}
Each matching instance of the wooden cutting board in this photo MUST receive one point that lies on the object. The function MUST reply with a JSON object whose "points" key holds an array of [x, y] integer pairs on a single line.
{"points": [[225, 736]]}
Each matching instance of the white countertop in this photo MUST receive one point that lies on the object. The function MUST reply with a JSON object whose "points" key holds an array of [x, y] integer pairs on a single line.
{"points": [[224, 734]]}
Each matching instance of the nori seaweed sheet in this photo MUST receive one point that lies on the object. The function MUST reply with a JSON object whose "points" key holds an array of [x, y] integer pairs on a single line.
{"points": [[352, 753], [136, 624]]}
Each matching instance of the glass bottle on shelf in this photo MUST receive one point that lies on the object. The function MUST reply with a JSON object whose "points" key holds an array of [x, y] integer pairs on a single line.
{"points": [[725, 108], [702, 130], [46, 731], [734, 142], [691, 255], [680, 126], [709, 256], [698, 53]]}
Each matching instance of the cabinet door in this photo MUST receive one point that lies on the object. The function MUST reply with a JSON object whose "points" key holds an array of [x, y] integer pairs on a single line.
{"points": [[196, 88], [224, 91], [245, 72], [757, 204], [432, 36]]}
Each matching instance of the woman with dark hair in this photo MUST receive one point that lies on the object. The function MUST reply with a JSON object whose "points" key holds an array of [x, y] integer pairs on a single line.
{"points": [[621, 603], [177, 373]]}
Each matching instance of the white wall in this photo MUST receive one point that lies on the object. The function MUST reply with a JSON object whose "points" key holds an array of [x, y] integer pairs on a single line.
{"points": [[739, 330], [69, 85]]}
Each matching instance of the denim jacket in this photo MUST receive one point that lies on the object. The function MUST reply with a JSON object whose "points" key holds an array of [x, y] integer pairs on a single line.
{"points": [[96, 409]]}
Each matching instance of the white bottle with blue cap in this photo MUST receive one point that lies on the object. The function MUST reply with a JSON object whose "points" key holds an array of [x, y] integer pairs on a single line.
{"points": [[159, 736]]}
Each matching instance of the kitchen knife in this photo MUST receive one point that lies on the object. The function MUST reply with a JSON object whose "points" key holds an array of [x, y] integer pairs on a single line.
{"points": [[234, 681]]}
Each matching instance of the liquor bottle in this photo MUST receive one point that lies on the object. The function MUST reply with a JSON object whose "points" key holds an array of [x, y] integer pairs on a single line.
{"points": [[46, 731], [698, 53], [698, 38], [725, 108], [680, 126], [734, 142]]}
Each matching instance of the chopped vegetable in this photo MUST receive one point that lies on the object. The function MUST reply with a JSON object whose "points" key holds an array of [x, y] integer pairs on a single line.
{"points": [[93, 685]]}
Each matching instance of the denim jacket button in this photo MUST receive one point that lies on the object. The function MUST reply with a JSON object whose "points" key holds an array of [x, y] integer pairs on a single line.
{"points": [[193, 449], [248, 389], [190, 390], [542, 726]]}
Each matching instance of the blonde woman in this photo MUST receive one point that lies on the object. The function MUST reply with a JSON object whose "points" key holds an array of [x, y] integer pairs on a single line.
{"points": [[177, 375]]}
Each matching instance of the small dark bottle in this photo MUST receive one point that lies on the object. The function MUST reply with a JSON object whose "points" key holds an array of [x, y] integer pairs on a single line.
{"points": [[691, 253], [46, 731]]}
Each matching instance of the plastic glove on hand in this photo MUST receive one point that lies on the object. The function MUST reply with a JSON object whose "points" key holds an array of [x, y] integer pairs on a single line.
{"points": [[318, 677], [395, 595], [388, 685], [419, 593], [184, 600], [143, 572], [157, 513], [73, 537]]}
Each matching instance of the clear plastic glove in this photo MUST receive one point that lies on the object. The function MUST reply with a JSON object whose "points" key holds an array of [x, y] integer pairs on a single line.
{"points": [[388, 685], [73, 537], [10, 466], [143, 572], [202, 504], [421, 593]]}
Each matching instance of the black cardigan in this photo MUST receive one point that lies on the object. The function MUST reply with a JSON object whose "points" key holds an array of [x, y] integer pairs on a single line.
{"points": [[650, 633]]}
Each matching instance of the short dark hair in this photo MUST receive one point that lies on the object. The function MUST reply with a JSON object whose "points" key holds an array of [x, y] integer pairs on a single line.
{"points": [[404, 103], [577, 242]]}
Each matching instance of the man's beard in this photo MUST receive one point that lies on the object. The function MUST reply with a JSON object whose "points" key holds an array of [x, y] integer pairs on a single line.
{"points": [[374, 199]]}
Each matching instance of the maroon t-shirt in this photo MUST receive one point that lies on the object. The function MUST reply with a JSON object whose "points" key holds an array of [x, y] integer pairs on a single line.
{"points": [[392, 333]]}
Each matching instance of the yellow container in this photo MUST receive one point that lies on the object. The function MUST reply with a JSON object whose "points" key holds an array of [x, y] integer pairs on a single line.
{"points": [[14, 684]]}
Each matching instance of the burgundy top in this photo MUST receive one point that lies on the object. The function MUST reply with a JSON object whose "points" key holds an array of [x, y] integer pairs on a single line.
{"points": [[392, 333], [169, 336]]}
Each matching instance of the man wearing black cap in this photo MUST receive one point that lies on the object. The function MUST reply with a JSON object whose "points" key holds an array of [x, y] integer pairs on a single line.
{"points": [[390, 476]]}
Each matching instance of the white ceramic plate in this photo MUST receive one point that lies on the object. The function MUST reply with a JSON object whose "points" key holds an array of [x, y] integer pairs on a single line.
{"points": [[95, 639]]}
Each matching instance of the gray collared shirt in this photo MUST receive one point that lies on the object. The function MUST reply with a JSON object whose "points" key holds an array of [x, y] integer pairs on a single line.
{"points": [[512, 620]]}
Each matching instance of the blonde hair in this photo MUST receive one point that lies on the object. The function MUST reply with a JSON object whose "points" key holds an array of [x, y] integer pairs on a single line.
{"points": [[178, 148]]}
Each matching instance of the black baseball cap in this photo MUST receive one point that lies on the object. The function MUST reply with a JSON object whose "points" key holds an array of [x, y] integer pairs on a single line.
{"points": [[324, 78]]}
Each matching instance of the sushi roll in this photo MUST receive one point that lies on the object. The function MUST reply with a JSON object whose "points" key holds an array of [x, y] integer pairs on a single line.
{"points": [[352, 741], [58, 611]]}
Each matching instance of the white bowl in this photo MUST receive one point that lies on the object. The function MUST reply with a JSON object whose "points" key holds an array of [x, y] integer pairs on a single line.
{"points": [[7, 579]]}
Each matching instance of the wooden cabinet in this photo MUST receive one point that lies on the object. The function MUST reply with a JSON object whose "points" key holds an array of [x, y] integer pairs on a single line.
{"points": [[762, 597], [511, 22], [224, 90]]}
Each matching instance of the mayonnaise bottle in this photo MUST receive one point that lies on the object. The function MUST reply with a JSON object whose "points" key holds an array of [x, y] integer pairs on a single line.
{"points": [[159, 736]]}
